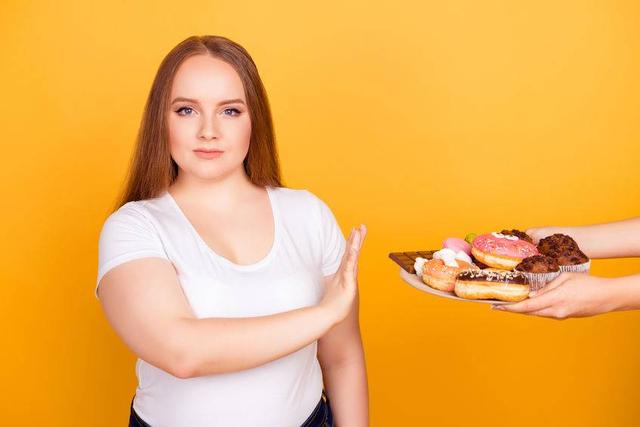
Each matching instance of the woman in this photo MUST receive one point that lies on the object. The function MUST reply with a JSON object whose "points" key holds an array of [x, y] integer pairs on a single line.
{"points": [[238, 296], [579, 294]]}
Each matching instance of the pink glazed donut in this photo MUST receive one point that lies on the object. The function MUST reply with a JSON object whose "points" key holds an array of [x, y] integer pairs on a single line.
{"points": [[501, 251]]}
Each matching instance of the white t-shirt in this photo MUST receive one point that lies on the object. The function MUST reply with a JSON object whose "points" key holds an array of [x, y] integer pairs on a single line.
{"points": [[308, 245]]}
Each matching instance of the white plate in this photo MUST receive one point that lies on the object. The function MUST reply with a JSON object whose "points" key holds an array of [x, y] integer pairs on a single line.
{"points": [[417, 283]]}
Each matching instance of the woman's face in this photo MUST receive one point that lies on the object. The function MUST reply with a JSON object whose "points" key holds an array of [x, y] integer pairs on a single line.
{"points": [[208, 112]]}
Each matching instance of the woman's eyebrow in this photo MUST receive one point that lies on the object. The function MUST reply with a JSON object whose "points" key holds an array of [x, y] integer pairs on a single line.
{"points": [[194, 101]]}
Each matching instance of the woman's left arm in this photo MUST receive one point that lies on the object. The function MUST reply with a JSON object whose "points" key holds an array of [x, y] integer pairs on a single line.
{"points": [[341, 357]]}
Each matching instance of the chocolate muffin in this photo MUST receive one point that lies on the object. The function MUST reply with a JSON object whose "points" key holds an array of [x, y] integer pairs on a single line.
{"points": [[566, 252], [519, 234], [572, 257], [557, 244], [538, 264], [539, 270]]}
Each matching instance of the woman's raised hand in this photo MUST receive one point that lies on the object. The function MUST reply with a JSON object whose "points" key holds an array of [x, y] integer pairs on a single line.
{"points": [[341, 288]]}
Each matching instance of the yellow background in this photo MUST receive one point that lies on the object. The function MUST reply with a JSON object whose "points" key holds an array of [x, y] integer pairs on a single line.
{"points": [[423, 120]]}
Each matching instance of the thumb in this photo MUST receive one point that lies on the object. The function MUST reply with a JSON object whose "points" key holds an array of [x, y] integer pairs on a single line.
{"points": [[533, 233]]}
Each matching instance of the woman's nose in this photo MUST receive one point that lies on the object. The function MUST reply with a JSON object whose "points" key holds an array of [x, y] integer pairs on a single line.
{"points": [[208, 129]]}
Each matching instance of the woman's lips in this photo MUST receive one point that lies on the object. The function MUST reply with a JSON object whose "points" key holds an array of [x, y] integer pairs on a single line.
{"points": [[208, 154]]}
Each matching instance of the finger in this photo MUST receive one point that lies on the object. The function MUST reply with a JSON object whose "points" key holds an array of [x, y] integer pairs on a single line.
{"points": [[345, 255], [561, 279], [357, 239], [352, 263], [363, 234], [551, 312], [529, 305]]}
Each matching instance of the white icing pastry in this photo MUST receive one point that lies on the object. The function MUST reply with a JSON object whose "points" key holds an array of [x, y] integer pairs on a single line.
{"points": [[418, 265], [449, 257]]}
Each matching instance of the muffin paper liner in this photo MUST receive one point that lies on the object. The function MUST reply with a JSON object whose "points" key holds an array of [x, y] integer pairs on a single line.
{"points": [[538, 281], [580, 268]]}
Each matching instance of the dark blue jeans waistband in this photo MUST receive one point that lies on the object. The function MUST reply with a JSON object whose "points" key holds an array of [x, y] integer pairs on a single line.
{"points": [[321, 416]]}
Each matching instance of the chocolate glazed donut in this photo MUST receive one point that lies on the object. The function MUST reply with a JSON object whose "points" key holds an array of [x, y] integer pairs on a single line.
{"points": [[501, 285]]}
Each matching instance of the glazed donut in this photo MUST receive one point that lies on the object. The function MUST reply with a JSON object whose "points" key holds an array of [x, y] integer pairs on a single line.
{"points": [[439, 275], [501, 251], [492, 284]]}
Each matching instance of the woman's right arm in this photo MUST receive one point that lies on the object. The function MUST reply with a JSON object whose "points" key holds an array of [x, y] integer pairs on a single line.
{"points": [[609, 240], [146, 307]]}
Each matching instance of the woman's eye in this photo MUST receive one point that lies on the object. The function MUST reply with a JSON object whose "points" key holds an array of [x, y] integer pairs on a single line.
{"points": [[187, 110], [231, 111]]}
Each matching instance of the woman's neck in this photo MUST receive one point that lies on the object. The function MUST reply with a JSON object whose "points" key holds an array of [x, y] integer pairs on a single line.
{"points": [[220, 194]]}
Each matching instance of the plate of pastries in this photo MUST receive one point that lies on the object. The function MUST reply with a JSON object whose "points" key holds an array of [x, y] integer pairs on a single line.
{"points": [[496, 268]]}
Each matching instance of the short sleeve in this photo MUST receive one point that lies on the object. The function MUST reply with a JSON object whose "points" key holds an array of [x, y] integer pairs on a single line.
{"points": [[127, 234], [333, 242]]}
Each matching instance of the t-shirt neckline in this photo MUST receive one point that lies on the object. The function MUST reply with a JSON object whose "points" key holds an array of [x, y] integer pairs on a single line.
{"points": [[243, 267]]}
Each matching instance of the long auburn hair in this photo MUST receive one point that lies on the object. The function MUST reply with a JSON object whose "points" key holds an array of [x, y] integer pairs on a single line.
{"points": [[152, 170]]}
